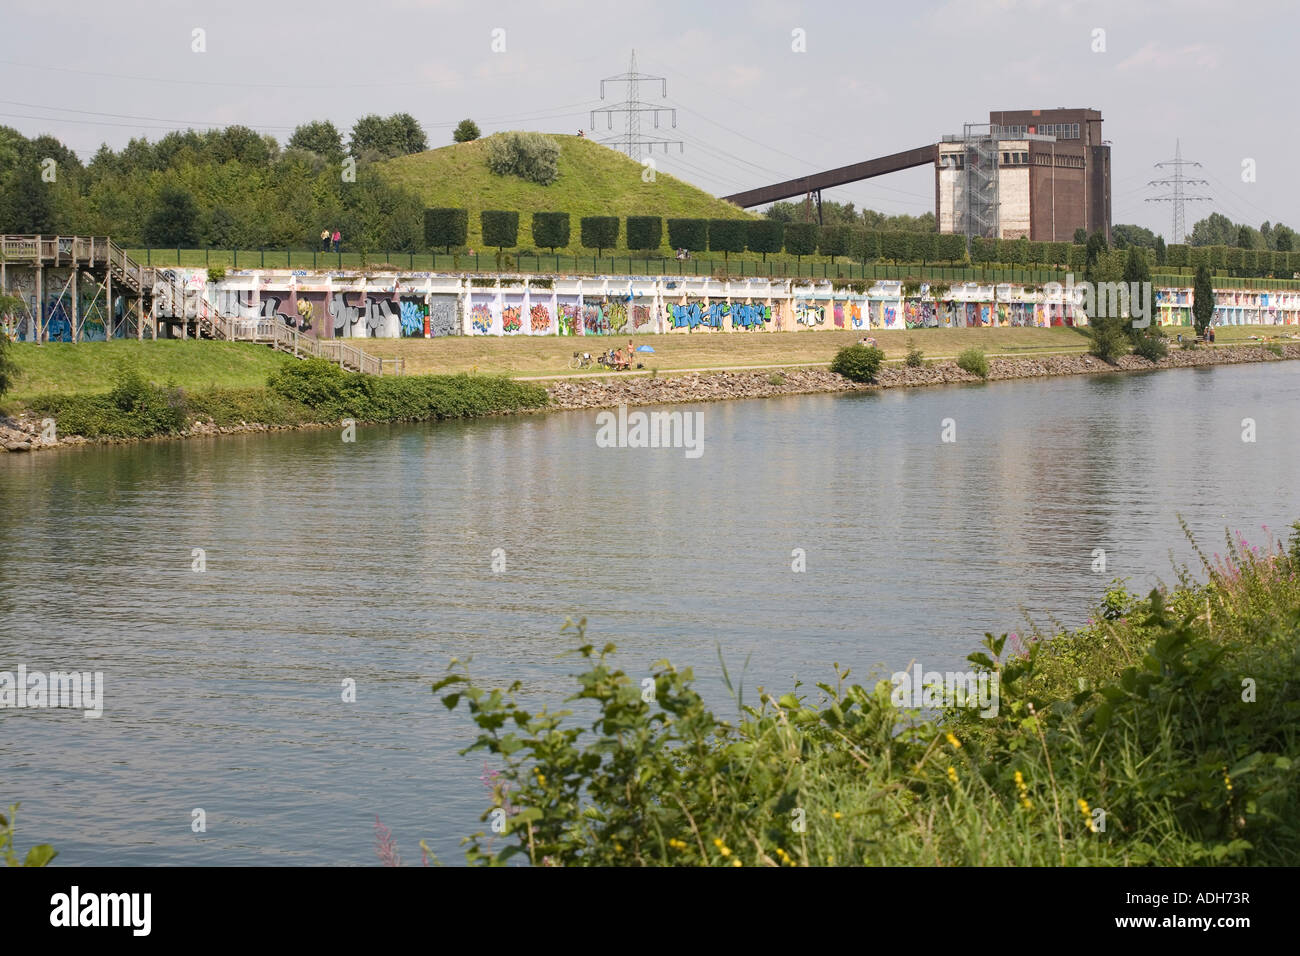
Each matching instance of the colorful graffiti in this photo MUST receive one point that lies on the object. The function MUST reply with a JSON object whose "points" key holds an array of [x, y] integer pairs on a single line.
{"points": [[593, 320], [511, 319], [413, 313], [693, 315], [642, 317], [615, 311], [855, 315], [539, 319], [570, 319], [809, 313], [750, 316], [480, 317]]}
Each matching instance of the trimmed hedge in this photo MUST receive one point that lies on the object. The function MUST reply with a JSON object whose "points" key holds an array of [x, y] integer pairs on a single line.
{"points": [[599, 232], [690, 234], [500, 228], [551, 229], [446, 227], [644, 232]]}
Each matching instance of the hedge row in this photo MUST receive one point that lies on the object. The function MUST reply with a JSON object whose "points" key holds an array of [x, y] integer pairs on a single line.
{"points": [[550, 230]]}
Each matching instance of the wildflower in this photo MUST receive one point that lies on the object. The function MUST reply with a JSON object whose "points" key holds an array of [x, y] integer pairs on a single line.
{"points": [[956, 744], [837, 814], [830, 860], [1023, 789], [736, 863], [952, 774], [1227, 781], [677, 844], [722, 848], [618, 848]]}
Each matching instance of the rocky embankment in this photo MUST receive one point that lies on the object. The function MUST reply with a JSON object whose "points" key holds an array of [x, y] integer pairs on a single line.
{"points": [[712, 386], [27, 433]]}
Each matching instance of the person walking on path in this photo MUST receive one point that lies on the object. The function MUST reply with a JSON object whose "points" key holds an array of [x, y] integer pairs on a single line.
{"points": [[337, 239], [324, 240]]}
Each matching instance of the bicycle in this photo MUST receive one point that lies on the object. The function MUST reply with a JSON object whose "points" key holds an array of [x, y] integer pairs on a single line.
{"points": [[581, 360]]}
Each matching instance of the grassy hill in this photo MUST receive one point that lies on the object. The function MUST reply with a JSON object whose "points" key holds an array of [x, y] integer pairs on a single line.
{"points": [[594, 180]]}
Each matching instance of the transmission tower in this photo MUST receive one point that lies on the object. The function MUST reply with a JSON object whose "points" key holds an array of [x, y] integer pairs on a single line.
{"points": [[632, 141], [1176, 195]]}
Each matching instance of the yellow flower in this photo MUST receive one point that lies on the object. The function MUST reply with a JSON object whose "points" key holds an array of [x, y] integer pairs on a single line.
{"points": [[830, 861], [1083, 807], [837, 814], [677, 844], [618, 848], [1024, 791], [952, 774], [736, 863], [954, 741]]}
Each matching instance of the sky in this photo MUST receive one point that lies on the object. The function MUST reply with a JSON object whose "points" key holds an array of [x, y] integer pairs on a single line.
{"points": [[763, 90]]}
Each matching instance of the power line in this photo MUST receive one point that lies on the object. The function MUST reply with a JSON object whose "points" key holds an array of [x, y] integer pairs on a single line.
{"points": [[1176, 195], [632, 141]]}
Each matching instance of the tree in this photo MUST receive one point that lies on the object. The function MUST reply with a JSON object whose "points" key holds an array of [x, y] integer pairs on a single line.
{"points": [[397, 135], [599, 232], [446, 227], [895, 245], [320, 137], [1080, 236], [406, 134], [1137, 276], [1124, 235], [801, 239], [26, 200], [174, 220], [864, 246], [689, 234], [551, 229], [466, 131], [726, 236], [1214, 230], [1283, 238], [644, 232], [1202, 300], [1162, 254], [1096, 248], [834, 241], [764, 235], [500, 228], [1244, 238]]}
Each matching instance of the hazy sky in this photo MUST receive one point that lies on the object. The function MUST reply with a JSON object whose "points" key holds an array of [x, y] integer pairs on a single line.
{"points": [[875, 78]]}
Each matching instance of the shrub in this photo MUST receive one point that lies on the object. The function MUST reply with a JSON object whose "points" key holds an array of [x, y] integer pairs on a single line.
{"points": [[1151, 346], [134, 408], [834, 241], [8, 370], [915, 357], [858, 363], [216, 273], [530, 156], [446, 227], [599, 232], [776, 378], [551, 229], [644, 232], [1275, 349], [1140, 713], [1109, 338], [974, 361]]}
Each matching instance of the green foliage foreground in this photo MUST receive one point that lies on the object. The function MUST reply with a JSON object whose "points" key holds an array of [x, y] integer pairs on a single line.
{"points": [[298, 392], [1164, 732]]}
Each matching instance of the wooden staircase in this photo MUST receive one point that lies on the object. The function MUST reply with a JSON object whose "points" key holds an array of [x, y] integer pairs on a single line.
{"points": [[166, 296]]}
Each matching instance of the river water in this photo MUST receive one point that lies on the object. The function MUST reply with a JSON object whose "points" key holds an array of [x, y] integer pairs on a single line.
{"points": [[372, 562]]}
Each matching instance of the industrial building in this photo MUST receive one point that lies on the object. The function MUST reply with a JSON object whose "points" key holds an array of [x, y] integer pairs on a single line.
{"points": [[1040, 174]]}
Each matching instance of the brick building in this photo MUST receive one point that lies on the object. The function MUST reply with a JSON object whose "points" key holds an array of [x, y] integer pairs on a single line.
{"points": [[1040, 174]]}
